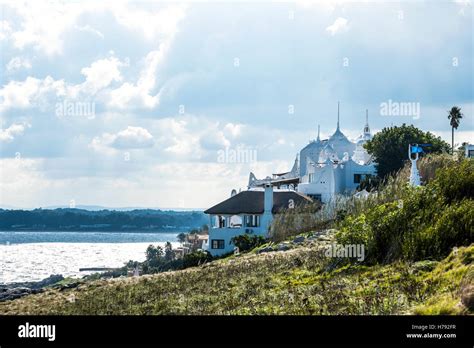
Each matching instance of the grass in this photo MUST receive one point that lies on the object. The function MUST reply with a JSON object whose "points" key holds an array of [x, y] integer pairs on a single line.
{"points": [[298, 281]]}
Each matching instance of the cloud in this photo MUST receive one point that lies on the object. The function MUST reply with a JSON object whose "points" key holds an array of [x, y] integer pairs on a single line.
{"points": [[5, 30], [138, 94], [10, 133], [133, 138], [129, 138], [89, 29], [340, 25], [44, 24], [102, 73], [17, 63], [31, 92]]}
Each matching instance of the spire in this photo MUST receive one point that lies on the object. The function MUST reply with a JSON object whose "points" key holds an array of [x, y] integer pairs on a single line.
{"points": [[318, 139], [338, 115], [366, 127]]}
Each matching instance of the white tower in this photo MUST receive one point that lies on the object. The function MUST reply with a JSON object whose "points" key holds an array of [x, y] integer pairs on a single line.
{"points": [[415, 179]]}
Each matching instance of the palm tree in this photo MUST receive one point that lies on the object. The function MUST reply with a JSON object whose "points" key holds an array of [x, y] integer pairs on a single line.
{"points": [[454, 116]]}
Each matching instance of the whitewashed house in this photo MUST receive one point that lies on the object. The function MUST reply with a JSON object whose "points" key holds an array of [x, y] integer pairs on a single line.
{"points": [[249, 211], [469, 151], [328, 167]]}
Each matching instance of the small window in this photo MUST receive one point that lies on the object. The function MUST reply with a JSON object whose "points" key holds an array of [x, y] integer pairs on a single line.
{"points": [[470, 154], [217, 244], [357, 178], [315, 197], [252, 220]]}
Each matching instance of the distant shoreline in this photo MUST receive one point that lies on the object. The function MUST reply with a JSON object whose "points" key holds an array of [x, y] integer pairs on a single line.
{"points": [[177, 230]]}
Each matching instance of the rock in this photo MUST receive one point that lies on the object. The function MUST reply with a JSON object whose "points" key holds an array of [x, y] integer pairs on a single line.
{"points": [[69, 286], [265, 250], [14, 293], [16, 290], [52, 279], [283, 247], [299, 239]]}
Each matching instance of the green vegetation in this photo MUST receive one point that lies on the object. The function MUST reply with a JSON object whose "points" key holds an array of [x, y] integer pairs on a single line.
{"points": [[299, 281], [247, 241], [416, 223], [454, 118], [389, 147]]}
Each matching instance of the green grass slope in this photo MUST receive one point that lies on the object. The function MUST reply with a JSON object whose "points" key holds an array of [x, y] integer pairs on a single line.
{"points": [[299, 281]]}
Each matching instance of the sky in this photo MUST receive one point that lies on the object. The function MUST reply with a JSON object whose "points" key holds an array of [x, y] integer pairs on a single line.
{"points": [[146, 104]]}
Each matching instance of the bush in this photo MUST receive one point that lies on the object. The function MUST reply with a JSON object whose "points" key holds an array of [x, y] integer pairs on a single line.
{"points": [[301, 219], [196, 258], [418, 223], [247, 241]]}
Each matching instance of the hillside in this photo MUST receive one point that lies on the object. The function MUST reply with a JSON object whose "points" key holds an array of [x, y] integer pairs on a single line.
{"points": [[297, 281]]}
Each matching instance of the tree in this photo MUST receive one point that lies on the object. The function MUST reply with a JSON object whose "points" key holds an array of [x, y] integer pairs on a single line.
{"points": [[153, 254], [389, 148], [181, 237], [454, 116], [169, 253]]}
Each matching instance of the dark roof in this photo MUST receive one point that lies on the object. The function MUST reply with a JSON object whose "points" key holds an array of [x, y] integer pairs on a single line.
{"points": [[251, 202]]}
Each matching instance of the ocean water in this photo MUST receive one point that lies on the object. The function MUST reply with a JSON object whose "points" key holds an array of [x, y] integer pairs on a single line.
{"points": [[33, 256]]}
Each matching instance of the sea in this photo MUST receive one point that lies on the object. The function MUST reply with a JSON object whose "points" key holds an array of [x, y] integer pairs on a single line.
{"points": [[33, 256]]}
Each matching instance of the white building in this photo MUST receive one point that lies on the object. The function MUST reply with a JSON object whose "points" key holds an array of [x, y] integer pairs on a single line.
{"points": [[327, 167], [249, 211], [469, 151]]}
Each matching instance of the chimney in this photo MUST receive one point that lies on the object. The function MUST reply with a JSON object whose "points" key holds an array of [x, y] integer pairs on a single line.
{"points": [[268, 199]]}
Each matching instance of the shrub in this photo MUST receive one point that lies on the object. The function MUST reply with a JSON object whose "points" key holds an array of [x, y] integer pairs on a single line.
{"points": [[247, 241], [415, 223], [196, 258], [303, 218]]}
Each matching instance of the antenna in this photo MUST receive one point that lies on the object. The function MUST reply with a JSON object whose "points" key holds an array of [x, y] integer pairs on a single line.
{"points": [[338, 115], [318, 139]]}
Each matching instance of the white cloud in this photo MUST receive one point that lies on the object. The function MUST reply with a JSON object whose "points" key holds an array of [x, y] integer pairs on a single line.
{"points": [[233, 129], [30, 92], [17, 63], [89, 29], [43, 24], [133, 137], [151, 23], [138, 94], [102, 73], [5, 30], [9, 134], [129, 138], [340, 25]]}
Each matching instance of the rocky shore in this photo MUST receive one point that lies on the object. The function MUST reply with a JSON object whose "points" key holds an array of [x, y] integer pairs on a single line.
{"points": [[16, 290]]}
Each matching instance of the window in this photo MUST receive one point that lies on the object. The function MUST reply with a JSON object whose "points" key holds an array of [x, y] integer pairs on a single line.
{"points": [[217, 244], [252, 220], [315, 197], [311, 177], [357, 178], [470, 154]]}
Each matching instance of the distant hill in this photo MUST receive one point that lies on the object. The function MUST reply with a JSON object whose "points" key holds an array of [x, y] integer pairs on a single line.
{"points": [[74, 219]]}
